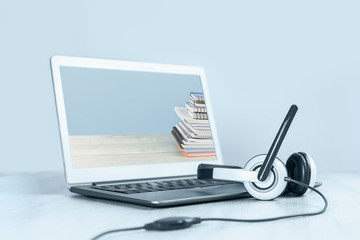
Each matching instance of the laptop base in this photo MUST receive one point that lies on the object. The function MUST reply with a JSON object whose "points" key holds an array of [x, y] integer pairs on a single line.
{"points": [[170, 198]]}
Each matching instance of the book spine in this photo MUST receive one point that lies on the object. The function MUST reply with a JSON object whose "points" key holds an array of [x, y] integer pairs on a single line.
{"points": [[176, 138], [192, 108], [198, 115], [197, 103], [198, 154], [197, 96]]}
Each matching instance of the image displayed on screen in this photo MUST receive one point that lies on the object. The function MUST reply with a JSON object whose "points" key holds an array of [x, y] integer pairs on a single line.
{"points": [[118, 117]]}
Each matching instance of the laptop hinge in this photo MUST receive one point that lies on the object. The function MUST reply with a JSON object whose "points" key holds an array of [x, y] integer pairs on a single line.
{"points": [[141, 180]]}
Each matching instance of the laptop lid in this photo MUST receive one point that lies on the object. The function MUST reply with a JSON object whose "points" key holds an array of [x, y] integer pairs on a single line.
{"points": [[121, 120]]}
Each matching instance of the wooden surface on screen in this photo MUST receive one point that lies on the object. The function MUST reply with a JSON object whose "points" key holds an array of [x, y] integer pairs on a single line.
{"points": [[117, 150]]}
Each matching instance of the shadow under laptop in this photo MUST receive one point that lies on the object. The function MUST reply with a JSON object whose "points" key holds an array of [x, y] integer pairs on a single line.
{"points": [[248, 208], [109, 202], [142, 207]]}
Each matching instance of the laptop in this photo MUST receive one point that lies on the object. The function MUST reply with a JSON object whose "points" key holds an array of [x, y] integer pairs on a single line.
{"points": [[136, 132]]}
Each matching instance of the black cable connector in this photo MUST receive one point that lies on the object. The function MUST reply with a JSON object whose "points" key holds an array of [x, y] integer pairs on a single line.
{"points": [[164, 224], [172, 223]]}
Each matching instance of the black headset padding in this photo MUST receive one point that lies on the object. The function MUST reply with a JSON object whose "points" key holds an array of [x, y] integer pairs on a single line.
{"points": [[298, 167]]}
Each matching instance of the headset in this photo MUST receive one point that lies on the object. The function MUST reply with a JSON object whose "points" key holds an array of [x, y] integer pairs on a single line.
{"points": [[264, 176]]}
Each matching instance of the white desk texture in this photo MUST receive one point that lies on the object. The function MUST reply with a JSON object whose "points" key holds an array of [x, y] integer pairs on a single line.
{"points": [[38, 206]]}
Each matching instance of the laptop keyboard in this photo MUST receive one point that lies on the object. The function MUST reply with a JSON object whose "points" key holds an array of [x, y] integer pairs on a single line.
{"points": [[161, 185]]}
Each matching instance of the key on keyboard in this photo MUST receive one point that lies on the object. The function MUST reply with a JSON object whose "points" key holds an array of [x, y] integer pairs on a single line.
{"points": [[161, 185]]}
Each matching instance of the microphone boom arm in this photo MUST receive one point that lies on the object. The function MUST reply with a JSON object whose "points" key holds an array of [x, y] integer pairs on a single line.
{"points": [[275, 146]]}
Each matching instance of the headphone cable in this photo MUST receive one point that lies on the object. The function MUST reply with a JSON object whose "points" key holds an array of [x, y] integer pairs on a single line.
{"points": [[281, 217], [185, 222], [116, 230]]}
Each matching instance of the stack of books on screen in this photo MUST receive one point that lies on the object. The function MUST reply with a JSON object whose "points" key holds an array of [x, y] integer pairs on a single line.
{"points": [[192, 133]]}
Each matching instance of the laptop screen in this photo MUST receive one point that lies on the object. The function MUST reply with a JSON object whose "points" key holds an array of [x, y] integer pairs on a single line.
{"points": [[117, 117]]}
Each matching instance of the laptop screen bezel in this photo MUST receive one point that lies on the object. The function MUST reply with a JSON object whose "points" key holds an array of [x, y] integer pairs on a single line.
{"points": [[78, 176]]}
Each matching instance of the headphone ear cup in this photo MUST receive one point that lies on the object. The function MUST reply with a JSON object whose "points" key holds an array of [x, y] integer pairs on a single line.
{"points": [[273, 186], [299, 168]]}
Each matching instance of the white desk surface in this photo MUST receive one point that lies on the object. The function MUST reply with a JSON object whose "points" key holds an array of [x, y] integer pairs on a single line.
{"points": [[38, 206]]}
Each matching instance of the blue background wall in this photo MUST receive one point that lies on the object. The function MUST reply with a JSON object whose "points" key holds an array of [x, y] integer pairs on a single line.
{"points": [[113, 102], [259, 56]]}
